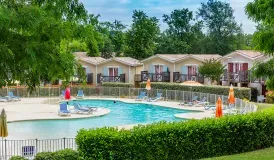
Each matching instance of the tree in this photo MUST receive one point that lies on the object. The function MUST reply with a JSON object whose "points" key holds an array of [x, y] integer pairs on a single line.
{"points": [[182, 35], [140, 38], [221, 27], [212, 69], [261, 11], [31, 35]]}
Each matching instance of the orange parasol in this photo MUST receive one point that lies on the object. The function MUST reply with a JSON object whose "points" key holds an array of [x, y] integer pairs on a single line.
{"points": [[231, 98], [219, 110], [148, 86]]}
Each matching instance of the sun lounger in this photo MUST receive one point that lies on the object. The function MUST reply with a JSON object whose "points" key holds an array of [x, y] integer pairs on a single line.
{"points": [[141, 97], [194, 99], [80, 94], [63, 110], [5, 99], [158, 97], [13, 97], [62, 96], [203, 102], [79, 109]]}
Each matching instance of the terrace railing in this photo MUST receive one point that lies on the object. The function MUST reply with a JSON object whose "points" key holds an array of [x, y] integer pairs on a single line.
{"points": [[101, 78], [155, 77], [29, 148], [179, 78]]}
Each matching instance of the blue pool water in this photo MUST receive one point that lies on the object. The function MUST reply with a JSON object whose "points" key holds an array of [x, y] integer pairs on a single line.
{"points": [[120, 114]]}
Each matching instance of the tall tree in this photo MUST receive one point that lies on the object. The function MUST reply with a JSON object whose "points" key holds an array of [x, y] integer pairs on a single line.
{"points": [[261, 12], [141, 37], [30, 40], [182, 35], [221, 27]]}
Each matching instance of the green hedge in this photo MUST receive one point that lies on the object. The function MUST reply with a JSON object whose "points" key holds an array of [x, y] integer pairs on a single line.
{"points": [[66, 154], [193, 139], [115, 84], [219, 90]]}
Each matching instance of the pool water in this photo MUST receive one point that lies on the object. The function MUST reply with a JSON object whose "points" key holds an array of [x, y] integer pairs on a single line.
{"points": [[120, 114]]}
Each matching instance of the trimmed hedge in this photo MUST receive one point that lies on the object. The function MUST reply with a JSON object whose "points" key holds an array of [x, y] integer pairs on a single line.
{"points": [[194, 139], [115, 84], [66, 154], [219, 90], [18, 158]]}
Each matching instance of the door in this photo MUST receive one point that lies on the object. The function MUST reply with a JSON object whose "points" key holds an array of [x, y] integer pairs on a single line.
{"points": [[112, 73], [192, 72], [159, 72]]}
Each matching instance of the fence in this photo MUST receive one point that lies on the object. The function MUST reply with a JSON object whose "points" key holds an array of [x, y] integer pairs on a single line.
{"points": [[31, 147]]}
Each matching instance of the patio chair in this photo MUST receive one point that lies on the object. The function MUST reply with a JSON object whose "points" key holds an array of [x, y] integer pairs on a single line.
{"points": [[5, 99], [158, 97], [80, 94], [62, 96], [63, 111], [194, 99], [141, 97], [203, 102], [13, 97], [79, 109], [260, 99], [28, 151]]}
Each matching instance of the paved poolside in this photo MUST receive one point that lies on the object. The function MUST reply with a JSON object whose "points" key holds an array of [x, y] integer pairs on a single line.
{"points": [[45, 108]]}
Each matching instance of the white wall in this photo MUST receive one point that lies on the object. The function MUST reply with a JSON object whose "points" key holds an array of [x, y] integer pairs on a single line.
{"points": [[256, 85]]}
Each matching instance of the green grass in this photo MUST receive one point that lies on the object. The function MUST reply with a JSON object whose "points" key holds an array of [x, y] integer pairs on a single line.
{"points": [[262, 106], [264, 154]]}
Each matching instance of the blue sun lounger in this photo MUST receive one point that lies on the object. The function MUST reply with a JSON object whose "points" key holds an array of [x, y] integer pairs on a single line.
{"points": [[79, 109], [13, 97], [141, 97], [80, 94], [158, 97], [63, 111]]}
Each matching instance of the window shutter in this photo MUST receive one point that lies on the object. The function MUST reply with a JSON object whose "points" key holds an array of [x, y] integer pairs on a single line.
{"points": [[151, 68], [105, 71], [120, 71], [184, 70], [245, 66]]}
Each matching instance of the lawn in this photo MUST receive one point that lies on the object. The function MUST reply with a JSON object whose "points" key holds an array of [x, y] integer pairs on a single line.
{"points": [[262, 106], [264, 154]]}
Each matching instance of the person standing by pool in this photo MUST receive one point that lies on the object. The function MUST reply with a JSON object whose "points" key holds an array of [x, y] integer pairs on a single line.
{"points": [[67, 94]]}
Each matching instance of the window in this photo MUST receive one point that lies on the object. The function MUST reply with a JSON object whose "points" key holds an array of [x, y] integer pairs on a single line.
{"points": [[192, 70], [113, 72], [158, 69]]}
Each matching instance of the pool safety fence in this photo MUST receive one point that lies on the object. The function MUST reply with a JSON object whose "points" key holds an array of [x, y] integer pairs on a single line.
{"points": [[54, 93], [29, 148]]}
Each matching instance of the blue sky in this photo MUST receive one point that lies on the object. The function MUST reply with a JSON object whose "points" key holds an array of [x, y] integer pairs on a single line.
{"points": [[122, 9]]}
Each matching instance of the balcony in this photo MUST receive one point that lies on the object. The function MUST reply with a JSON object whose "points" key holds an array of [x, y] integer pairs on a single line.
{"points": [[179, 78], [101, 78], [90, 78], [154, 77], [242, 77]]}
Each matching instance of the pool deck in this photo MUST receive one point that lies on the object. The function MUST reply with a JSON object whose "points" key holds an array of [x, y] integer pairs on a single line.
{"points": [[45, 108]]}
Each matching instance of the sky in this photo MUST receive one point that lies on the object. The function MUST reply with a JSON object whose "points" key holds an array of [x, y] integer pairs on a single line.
{"points": [[122, 9]]}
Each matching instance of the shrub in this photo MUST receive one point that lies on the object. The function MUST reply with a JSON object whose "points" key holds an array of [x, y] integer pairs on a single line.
{"points": [[270, 97], [17, 158], [219, 90], [194, 139], [254, 94], [115, 84], [66, 154]]}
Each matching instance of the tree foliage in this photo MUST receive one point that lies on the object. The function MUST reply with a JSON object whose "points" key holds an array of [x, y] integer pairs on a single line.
{"points": [[140, 38], [182, 35], [31, 34], [221, 27], [212, 69], [262, 12]]}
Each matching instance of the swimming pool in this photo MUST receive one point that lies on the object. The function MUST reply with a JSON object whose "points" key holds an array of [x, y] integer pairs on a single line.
{"points": [[120, 114]]}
